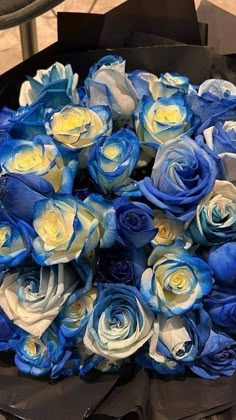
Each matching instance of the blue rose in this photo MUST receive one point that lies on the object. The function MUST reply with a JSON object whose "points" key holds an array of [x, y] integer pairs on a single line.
{"points": [[56, 86], [27, 121], [41, 356], [135, 225], [33, 296], [39, 157], [120, 264], [77, 127], [215, 219], [177, 282], [221, 259], [165, 119], [108, 84], [176, 342], [15, 241], [218, 357], [221, 306], [112, 160], [65, 228], [120, 323], [73, 317], [8, 332], [211, 109], [221, 139], [219, 88], [172, 83], [5, 118], [144, 83], [19, 193], [183, 174]]}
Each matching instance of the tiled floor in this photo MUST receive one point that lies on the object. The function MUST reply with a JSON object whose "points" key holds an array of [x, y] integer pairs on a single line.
{"points": [[46, 26]]}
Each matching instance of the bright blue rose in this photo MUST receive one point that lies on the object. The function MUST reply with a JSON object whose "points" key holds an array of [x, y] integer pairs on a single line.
{"points": [[211, 109], [27, 121], [15, 241], [215, 219], [165, 119], [112, 160], [108, 84], [221, 306], [40, 157], [217, 359], [221, 139], [222, 261], [8, 332], [65, 228], [135, 225], [19, 193], [41, 356], [177, 282], [56, 86], [120, 264], [120, 323], [182, 175], [76, 127]]}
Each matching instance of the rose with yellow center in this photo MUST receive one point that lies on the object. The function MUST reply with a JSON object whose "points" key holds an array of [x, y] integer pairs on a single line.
{"points": [[15, 241], [79, 127], [162, 120], [65, 227], [39, 157], [177, 281], [41, 356], [74, 316], [169, 230]]}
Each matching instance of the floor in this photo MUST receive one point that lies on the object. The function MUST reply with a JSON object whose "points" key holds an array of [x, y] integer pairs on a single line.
{"points": [[47, 34]]}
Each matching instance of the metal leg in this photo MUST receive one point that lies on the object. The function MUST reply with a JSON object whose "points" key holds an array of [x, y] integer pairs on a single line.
{"points": [[28, 35]]}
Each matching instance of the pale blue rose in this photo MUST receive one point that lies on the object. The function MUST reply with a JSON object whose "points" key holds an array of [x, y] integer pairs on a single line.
{"points": [[108, 84], [112, 160], [65, 228], [215, 219], [222, 89], [56, 86], [120, 323], [77, 127], [221, 139], [33, 296], [165, 119], [177, 282], [39, 157], [144, 83]]}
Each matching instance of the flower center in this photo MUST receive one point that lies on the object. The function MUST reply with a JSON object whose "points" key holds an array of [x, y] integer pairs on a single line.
{"points": [[178, 280], [111, 152], [27, 160], [168, 114], [5, 232]]}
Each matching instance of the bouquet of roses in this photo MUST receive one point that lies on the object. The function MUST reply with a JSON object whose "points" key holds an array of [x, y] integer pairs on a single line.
{"points": [[118, 223]]}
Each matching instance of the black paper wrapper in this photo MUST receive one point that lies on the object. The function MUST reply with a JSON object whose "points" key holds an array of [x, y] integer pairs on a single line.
{"points": [[150, 35]]}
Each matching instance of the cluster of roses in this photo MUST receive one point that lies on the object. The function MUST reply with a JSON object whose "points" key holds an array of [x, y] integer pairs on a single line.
{"points": [[118, 223]]}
